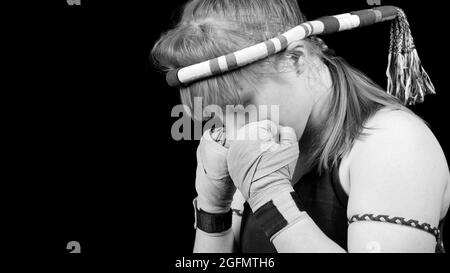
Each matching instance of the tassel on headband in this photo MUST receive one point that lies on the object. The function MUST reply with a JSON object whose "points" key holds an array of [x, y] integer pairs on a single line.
{"points": [[407, 79]]}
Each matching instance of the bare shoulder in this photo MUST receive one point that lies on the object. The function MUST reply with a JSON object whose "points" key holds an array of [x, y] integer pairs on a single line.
{"points": [[399, 151], [397, 120], [390, 132], [399, 131]]}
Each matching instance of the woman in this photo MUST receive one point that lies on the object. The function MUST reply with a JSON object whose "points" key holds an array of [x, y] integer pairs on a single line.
{"points": [[349, 169]]}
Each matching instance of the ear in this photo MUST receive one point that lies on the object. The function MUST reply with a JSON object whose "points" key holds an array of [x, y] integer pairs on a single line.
{"points": [[296, 54]]}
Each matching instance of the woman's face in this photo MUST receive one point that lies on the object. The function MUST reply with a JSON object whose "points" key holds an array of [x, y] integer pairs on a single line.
{"points": [[299, 92], [293, 96]]}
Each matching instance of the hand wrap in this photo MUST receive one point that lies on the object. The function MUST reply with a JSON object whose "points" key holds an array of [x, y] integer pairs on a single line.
{"points": [[213, 183], [261, 162]]}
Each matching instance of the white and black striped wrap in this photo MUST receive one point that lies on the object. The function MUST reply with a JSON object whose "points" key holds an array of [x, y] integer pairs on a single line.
{"points": [[406, 78], [324, 25]]}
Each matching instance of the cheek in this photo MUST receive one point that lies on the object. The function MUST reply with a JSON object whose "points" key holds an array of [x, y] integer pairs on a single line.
{"points": [[288, 107], [290, 113], [295, 112], [295, 117]]}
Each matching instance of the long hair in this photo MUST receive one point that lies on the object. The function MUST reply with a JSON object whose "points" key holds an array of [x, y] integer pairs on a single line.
{"points": [[211, 28]]}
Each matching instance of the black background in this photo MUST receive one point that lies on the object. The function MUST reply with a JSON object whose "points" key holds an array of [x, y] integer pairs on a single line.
{"points": [[93, 159]]}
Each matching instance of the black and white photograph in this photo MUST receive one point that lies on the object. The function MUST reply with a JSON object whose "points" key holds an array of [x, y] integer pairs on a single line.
{"points": [[232, 135]]}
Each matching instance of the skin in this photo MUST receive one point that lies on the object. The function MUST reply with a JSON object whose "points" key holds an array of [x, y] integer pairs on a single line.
{"points": [[399, 169]]}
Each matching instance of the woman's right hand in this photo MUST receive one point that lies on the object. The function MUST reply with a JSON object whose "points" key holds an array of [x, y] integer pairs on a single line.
{"points": [[213, 183], [261, 161]]}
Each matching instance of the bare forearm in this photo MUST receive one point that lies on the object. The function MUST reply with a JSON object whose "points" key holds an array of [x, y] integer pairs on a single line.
{"points": [[214, 243], [305, 237]]}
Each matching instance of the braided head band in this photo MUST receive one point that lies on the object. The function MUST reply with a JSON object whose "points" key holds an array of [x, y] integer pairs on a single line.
{"points": [[407, 79]]}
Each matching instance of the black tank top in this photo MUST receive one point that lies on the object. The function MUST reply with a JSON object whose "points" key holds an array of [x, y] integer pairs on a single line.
{"points": [[325, 201]]}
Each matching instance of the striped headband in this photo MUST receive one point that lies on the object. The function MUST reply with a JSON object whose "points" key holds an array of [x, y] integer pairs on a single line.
{"points": [[410, 86]]}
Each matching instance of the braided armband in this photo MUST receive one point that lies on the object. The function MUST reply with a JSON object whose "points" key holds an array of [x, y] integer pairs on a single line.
{"points": [[396, 220]]}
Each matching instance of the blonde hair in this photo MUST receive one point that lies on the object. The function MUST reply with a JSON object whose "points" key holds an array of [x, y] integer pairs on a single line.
{"points": [[211, 28]]}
